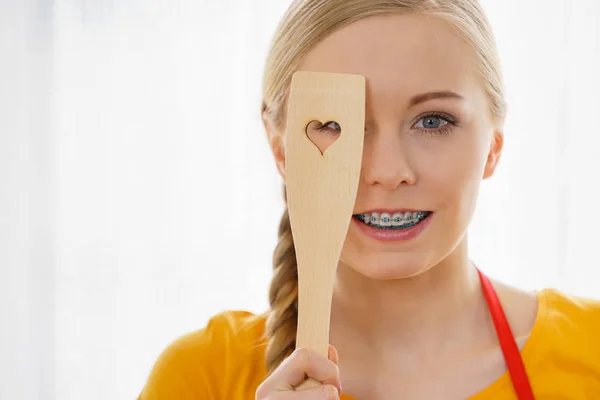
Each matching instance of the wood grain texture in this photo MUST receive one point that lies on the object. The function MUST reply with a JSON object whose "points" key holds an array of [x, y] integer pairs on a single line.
{"points": [[321, 191]]}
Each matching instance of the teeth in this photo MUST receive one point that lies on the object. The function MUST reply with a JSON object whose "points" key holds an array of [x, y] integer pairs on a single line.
{"points": [[397, 219], [385, 219], [374, 218]]}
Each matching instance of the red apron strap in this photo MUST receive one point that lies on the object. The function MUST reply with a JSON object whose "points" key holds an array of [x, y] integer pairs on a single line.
{"points": [[512, 356]]}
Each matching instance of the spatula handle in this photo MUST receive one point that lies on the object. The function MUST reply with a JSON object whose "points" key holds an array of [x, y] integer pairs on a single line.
{"points": [[314, 311]]}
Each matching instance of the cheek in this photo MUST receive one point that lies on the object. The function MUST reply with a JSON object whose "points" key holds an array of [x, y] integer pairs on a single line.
{"points": [[452, 169]]}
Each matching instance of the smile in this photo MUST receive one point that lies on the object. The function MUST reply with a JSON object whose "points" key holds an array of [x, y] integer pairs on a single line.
{"points": [[384, 220]]}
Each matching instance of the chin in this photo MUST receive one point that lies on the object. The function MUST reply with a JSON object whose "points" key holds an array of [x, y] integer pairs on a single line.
{"points": [[390, 266]]}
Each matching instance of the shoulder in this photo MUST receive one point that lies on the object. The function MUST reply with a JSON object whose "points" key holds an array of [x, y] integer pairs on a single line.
{"points": [[567, 332], [563, 355], [571, 317], [201, 363]]}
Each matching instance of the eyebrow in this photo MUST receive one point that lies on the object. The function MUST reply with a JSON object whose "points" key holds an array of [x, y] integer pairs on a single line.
{"points": [[445, 94]]}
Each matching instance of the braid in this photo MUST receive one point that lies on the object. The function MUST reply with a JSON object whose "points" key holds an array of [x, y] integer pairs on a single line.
{"points": [[283, 299]]}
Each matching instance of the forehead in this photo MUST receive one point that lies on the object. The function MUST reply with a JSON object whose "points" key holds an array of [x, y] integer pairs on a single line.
{"points": [[399, 55]]}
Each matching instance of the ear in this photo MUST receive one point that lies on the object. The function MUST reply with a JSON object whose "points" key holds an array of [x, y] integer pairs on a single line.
{"points": [[494, 154], [275, 139]]}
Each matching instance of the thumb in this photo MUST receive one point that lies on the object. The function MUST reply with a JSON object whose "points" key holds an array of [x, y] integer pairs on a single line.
{"points": [[332, 354]]}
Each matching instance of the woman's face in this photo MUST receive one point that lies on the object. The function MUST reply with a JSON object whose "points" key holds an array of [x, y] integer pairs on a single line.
{"points": [[429, 140]]}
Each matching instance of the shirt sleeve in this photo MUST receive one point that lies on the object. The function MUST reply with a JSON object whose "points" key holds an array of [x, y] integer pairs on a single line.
{"points": [[189, 368], [224, 360]]}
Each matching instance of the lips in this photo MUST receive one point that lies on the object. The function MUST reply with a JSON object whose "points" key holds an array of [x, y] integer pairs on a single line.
{"points": [[390, 210]]}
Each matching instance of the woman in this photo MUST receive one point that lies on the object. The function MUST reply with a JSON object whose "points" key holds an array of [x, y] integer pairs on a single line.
{"points": [[411, 316]]}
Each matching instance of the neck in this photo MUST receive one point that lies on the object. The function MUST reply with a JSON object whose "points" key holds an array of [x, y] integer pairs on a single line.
{"points": [[435, 310]]}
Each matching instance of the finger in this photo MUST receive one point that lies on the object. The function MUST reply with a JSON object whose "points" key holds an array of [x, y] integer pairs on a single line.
{"points": [[323, 392], [308, 383], [303, 363]]}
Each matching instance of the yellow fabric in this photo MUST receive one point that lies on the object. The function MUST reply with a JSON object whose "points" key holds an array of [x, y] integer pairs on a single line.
{"points": [[225, 360]]}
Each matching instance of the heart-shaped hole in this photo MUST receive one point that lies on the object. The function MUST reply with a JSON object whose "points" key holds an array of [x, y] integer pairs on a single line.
{"points": [[323, 135]]}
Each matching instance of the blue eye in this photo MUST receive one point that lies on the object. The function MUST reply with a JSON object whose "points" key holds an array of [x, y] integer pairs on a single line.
{"points": [[431, 122], [435, 123]]}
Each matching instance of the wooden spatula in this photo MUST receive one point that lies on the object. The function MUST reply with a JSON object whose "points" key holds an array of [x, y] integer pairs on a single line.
{"points": [[321, 191]]}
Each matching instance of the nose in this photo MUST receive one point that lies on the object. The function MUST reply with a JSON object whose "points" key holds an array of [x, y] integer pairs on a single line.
{"points": [[386, 161]]}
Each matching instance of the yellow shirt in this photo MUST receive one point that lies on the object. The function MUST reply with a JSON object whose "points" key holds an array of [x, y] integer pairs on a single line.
{"points": [[225, 360]]}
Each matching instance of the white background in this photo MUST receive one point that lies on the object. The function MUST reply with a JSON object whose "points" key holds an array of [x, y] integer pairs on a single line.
{"points": [[139, 197]]}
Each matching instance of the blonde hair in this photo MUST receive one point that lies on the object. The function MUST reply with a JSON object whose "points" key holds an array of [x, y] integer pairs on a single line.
{"points": [[305, 24]]}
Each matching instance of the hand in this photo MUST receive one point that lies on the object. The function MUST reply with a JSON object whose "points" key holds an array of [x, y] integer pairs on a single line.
{"points": [[294, 370]]}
